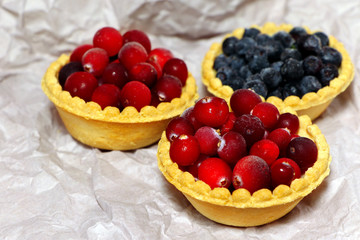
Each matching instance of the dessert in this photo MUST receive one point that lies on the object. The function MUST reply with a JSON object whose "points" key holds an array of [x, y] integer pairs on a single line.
{"points": [[288, 66], [244, 174], [114, 95]]}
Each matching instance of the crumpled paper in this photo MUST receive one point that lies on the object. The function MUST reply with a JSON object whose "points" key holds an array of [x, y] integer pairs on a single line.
{"points": [[53, 187]]}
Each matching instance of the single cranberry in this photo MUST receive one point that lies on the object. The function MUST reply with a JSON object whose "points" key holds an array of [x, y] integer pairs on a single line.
{"points": [[184, 150], [193, 169], [252, 173], [143, 72], [250, 127], [157, 67], [135, 94], [135, 35], [208, 139], [284, 171], [229, 123], [95, 61], [81, 84], [109, 39], [215, 172], [282, 137], [303, 151], [176, 67], [242, 101], [289, 121], [69, 69], [160, 56], [79, 51], [267, 112], [266, 149], [167, 88], [232, 147], [115, 73], [211, 111], [132, 53], [106, 95], [178, 126], [190, 116]]}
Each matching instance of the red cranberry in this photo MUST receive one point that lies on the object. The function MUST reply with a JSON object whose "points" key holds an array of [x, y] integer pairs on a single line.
{"points": [[267, 112], [243, 101], [109, 39], [115, 73], [215, 172], [208, 139], [280, 136], [229, 124], [190, 116], [176, 67], [135, 94], [69, 69], [79, 51], [266, 149], [193, 169], [232, 147], [95, 61], [160, 56], [211, 111], [303, 151], [250, 127], [132, 53], [184, 150], [284, 171], [138, 36], [81, 84], [106, 95], [178, 126], [252, 173], [289, 121], [167, 88], [143, 72]]}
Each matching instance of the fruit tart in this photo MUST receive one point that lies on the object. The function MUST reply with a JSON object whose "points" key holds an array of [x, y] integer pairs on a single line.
{"points": [[289, 66], [246, 167], [118, 93]]}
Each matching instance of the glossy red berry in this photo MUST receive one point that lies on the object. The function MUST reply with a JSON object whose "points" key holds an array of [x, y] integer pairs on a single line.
{"points": [[81, 84], [138, 36], [284, 171], [229, 123], [211, 111], [109, 39], [178, 126], [135, 94], [167, 88], [303, 151], [160, 56], [190, 116], [280, 136], [143, 72], [232, 147], [176, 67], [106, 95], [215, 172], [266, 149], [132, 53], [184, 150], [193, 169], [208, 139], [267, 113], [115, 73], [289, 121], [252, 173], [242, 101], [250, 127], [79, 51], [95, 61]]}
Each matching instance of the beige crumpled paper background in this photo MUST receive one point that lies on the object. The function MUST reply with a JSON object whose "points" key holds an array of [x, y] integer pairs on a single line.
{"points": [[53, 187]]}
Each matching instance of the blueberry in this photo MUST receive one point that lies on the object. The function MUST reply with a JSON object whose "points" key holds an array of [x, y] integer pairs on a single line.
{"points": [[309, 84], [244, 45], [284, 38], [311, 45], [244, 72], [297, 33], [258, 62], [237, 63], [220, 61], [264, 39], [323, 38], [274, 51], [290, 89], [328, 73], [258, 86], [251, 32], [228, 46], [292, 69], [255, 51], [237, 83], [271, 77], [276, 92], [277, 65], [225, 73], [312, 65], [290, 53], [331, 55]]}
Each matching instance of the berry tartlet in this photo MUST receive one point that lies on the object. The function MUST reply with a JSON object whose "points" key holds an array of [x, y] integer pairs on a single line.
{"points": [[289, 66], [111, 118], [249, 180]]}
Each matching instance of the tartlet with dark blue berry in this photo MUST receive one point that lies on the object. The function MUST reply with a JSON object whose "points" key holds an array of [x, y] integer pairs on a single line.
{"points": [[286, 65]]}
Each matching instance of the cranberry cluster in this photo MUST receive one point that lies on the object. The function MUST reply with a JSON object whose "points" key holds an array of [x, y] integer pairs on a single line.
{"points": [[252, 147], [123, 70]]}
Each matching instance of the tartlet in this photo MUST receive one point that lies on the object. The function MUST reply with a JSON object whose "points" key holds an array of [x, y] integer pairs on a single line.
{"points": [[240, 208], [311, 104], [110, 129]]}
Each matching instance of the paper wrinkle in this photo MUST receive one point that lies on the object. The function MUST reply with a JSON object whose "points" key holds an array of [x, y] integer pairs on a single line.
{"points": [[53, 187]]}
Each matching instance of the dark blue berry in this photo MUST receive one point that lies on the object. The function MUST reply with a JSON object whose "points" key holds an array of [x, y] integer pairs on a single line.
{"points": [[258, 62], [244, 45], [257, 86], [312, 65], [323, 38], [255, 51], [284, 38], [308, 84], [237, 63], [67, 70], [331, 55], [297, 33], [328, 73], [244, 72], [290, 53], [292, 69], [277, 65], [264, 39], [290, 89], [225, 73], [237, 83], [221, 61], [251, 32], [311, 46], [228, 46], [271, 77], [274, 51], [276, 93]]}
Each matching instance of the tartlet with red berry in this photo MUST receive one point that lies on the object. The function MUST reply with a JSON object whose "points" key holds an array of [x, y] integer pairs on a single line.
{"points": [[119, 93], [289, 66], [245, 167]]}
